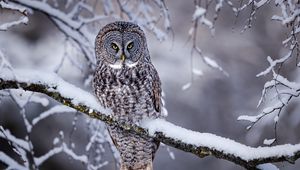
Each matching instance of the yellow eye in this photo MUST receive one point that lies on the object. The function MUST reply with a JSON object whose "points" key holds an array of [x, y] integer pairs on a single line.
{"points": [[114, 46], [130, 45]]}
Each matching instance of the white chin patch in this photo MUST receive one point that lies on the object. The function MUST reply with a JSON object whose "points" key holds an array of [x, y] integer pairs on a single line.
{"points": [[119, 65], [130, 65], [116, 65]]}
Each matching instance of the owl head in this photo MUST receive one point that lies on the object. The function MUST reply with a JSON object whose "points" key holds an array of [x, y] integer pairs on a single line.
{"points": [[121, 44]]}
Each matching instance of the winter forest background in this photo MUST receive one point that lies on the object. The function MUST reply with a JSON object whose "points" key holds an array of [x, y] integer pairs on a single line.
{"points": [[205, 90]]}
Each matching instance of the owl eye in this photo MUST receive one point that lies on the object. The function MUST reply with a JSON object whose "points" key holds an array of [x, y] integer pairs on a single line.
{"points": [[130, 45], [114, 46]]}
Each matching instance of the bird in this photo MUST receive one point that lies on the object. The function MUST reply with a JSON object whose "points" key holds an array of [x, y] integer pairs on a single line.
{"points": [[126, 81]]}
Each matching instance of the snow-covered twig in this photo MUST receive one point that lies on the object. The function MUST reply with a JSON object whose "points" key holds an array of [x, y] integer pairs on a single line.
{"points": [[200, 144], [200, 17], [283, 89], [6, 134], [5, 26], [10, 6], [203, 16], [12, 164], [75, 26], [68, 24], [62, 148]]}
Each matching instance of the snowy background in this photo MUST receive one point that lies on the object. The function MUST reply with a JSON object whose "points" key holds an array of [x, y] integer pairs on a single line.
{"points": [[211, 104]]}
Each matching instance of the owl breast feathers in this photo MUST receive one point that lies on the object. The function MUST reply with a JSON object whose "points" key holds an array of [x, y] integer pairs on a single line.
{"points": [[126, 82]]}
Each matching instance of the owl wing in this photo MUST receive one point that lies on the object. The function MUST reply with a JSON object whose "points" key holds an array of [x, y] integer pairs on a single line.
{"points": [[156, 91], [157, 96]]}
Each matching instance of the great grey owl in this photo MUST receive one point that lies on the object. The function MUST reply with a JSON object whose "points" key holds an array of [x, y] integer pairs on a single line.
{"points": [[126, 82]]}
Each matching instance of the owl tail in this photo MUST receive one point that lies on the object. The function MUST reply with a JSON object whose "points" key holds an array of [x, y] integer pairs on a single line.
{"points": [[147, 166]]}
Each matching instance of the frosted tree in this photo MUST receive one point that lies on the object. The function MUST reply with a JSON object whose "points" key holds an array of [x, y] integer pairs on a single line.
{"points": [[79, 21]]}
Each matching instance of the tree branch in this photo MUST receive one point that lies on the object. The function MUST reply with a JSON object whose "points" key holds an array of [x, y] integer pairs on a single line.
{"points": [[200, 144]]}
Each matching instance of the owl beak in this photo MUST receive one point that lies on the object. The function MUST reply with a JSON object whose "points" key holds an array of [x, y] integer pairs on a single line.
{"points": [[123, 57]]}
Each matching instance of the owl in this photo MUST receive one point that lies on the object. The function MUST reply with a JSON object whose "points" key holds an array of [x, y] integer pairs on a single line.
{"points": [[126, 82]]}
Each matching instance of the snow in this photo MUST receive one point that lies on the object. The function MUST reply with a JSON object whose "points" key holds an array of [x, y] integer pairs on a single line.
{"points": [[41, 100], [282, 97], [51, 111], [286, 82], [63, 148], [171, 154], [273, 63], [212, 141], [198, 12], [293, 89], [19, 146], [21, 20], [250, 118], [56, 13], [197, 72], [219, 5], [164, 112], [267, 166], [269, 141], [287, 40], [260, 3], [291, 18], [276, 118], [6, 134], [55, 141], [191, 30], [276, 17], [186, 86], [212, 63], [297, 30], [271, 108], [13, 7], [55, 84], [22, 97], [12, 164], [5, 26]]}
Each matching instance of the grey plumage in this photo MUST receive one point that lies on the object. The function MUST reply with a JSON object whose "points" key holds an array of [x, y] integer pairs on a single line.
{"points": [[126, 81]]}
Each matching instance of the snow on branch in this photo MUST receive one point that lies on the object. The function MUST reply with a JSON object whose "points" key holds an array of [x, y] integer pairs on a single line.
{"points": [[201, 17], [70, 24], [12, 164], [206, 13], [281, 89], [62, 148], [200, 144], [6, 134], [72, 19], [284, 91], [10, 6]]}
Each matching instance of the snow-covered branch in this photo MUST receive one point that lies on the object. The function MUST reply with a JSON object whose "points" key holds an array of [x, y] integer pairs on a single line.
{"points": [[62, 148], [9, 6], [281, 89], [70, 24], [200, 144], [75, 25], [12, 164]]}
